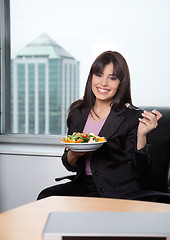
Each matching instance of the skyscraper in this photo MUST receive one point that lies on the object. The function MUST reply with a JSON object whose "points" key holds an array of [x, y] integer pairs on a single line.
{"points": [[44, 82]]}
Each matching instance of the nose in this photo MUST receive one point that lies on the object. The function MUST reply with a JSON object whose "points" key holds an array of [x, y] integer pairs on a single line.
{"points": [[104, 81]]}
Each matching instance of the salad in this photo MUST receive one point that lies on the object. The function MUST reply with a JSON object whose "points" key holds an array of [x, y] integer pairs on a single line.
{"points": [[77, 137]]}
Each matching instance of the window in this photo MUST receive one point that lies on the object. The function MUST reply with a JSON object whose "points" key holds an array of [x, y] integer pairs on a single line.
{"points": [[4, 67], [41, 86], [53, 48]]}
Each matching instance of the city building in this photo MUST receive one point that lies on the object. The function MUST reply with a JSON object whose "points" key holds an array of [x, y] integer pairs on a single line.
{"points": [[44, 82]]}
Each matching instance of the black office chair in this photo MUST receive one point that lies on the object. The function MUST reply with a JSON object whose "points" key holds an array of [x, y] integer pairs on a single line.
{"points": [[156, 185]]}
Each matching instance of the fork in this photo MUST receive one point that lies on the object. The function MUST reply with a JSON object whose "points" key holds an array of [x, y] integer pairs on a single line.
{"points": [[128, 105]]}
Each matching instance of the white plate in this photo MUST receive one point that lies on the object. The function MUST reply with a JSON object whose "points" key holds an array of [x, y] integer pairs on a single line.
{"points": [[84, 147]]}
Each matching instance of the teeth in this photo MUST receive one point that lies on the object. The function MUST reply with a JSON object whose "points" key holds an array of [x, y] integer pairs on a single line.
{"points": [[102, 90]]}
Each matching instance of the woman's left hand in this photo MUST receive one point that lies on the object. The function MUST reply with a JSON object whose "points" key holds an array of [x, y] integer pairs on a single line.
{"points": [[148, 122]]}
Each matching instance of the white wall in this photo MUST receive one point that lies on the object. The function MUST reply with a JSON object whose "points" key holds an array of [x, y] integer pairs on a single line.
{"points": [[23, 177]]}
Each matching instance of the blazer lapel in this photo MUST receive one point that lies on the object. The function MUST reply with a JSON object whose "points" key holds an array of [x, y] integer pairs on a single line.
{"points": [[110, 126], [112, 123]]}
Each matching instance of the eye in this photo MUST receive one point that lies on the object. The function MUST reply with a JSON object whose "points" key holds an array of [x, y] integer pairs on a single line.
{"points": [[98, 74], [113, 78]]}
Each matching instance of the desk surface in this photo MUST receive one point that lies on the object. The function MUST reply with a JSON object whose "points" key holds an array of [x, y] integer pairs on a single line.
{"points": [[27, 222]]}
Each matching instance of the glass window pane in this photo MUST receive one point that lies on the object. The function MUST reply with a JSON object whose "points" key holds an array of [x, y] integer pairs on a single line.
{"points": [[39, 104], [53, 44]]}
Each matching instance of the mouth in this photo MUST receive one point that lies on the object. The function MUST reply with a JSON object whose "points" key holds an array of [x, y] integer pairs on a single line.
{"points": [[102, 91]]}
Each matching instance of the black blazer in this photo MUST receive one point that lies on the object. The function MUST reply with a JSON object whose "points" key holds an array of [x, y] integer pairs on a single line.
{"points": [[117, 167]]}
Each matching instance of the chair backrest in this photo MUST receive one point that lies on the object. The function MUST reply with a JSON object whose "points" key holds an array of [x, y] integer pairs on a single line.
{"points": [[159, 175]]}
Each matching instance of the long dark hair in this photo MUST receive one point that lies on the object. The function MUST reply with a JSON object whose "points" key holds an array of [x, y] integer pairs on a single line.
{"points": [[123, 94]]}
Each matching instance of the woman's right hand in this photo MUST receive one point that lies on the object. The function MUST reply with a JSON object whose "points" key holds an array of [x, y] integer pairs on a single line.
{"points": [[72, 157]]}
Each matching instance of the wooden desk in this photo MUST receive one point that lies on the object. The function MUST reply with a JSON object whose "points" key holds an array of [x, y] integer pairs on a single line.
{"points": [[27, 222]]}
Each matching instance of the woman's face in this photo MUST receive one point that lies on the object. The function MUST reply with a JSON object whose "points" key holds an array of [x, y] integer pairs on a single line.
{"points": [[105, 84]]}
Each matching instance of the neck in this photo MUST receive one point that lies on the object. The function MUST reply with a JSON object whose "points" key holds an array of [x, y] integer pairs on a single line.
{"points": [[101, 110]]}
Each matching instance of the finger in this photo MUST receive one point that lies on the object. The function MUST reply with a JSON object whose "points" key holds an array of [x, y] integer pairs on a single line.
{"points": [[153, 113], [80, 153], [144, 120], [148, 113], [150, 116], [149, 119], [157, 113], [148, 124]]}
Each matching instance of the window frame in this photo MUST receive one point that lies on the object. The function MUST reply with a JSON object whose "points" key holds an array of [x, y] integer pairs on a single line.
{"points": [[26, 144], [5, 63]]}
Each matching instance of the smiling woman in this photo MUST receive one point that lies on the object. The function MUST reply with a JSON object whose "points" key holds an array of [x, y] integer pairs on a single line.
{"points": [[114, 169]]}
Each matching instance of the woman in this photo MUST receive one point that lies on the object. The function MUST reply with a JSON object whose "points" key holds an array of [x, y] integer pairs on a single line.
{"points": [[116, 169]]}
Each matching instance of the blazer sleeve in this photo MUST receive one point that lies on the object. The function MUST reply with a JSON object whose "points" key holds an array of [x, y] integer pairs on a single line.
{"points": [[141, 159], [75, 115], [142, 163]]}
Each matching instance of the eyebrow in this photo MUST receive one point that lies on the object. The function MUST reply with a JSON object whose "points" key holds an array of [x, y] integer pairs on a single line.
{"points": [[112, 74]]}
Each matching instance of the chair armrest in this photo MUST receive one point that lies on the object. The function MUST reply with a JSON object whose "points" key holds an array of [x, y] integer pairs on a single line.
{"points": [[70, 177], [168, 184], [152, 196]]}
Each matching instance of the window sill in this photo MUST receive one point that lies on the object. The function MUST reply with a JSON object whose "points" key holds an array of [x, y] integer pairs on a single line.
{"points": [[27, 144]]}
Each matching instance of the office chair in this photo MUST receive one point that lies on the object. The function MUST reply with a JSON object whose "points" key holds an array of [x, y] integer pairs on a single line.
{"points": [[156, 185]]}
